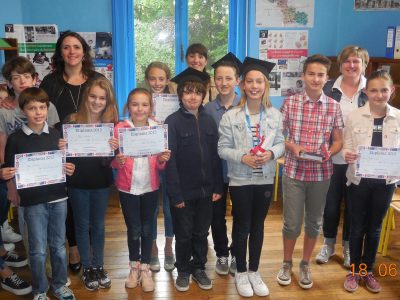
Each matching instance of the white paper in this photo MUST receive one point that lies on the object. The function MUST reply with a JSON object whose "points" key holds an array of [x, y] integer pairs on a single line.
{"points": [[88, 139], [143, 141], [378, 162], [39, 168], [164, 105]]}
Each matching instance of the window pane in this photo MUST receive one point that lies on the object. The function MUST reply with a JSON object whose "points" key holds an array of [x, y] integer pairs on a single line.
{"points": [[208, 24], [154, 35]]}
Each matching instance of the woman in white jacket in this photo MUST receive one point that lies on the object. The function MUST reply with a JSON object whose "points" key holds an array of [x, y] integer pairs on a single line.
{"points": [[250, 141], [375, 124]]}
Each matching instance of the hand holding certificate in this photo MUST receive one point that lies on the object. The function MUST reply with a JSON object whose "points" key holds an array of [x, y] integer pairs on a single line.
{"points": [[143, 141], [88, 139], [39, 168], [378, 162]]}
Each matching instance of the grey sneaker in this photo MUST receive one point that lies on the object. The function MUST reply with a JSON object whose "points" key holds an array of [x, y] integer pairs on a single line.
{"points": [[202, 279], [305, 277], [284, 276], [169, 263], [182, 282], [346, 257], [232, 267], [154, 264], [326, 252], [222, 266]]}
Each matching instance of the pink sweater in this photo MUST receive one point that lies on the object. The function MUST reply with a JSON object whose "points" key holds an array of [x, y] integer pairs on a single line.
{"points": [[124, 172]]}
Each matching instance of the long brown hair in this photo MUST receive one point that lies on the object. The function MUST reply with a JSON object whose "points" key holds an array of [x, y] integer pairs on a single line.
{"points": [[110, 112], [57, 61]]}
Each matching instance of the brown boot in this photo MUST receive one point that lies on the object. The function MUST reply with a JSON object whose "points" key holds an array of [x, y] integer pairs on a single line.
{"points": [[145, 278]]}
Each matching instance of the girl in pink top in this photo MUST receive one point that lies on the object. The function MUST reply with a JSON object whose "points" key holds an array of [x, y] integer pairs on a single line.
{"points": [[138, 182]]}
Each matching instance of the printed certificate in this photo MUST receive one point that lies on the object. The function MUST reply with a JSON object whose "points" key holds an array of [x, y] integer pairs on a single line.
{"points": [[164, 105], [143, 141], [39, 168], [378, 162], [88, 139]]}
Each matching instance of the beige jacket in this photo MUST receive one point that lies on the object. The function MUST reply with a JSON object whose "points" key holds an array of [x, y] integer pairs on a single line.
{"points": [[358, 132]]}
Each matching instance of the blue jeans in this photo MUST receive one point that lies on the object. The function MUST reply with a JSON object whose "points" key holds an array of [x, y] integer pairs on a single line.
{"points": [[169, 232], [138, 213], [4, 203], [89, 210], [369, 202], [46, 227], [336, 193], [2, 263]]}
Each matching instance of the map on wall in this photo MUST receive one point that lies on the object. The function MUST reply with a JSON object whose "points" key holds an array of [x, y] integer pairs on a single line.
{"points": [[284, 13]]}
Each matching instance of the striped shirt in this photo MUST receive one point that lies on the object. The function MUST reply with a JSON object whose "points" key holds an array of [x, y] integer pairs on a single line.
{"points": [[309, 124]]}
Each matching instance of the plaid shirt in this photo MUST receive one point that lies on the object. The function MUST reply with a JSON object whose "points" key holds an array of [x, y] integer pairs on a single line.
{"points": [[310, 124]]}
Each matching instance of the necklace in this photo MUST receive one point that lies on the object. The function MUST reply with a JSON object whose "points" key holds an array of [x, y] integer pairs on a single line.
{"points": [[77, 99]]}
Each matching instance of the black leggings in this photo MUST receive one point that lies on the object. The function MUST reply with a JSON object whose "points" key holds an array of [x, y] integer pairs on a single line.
{"points": [[250, 204]]}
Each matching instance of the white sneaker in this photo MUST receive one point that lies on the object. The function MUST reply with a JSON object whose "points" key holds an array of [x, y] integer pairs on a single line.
{"points": [[326, 252], [9, 247], [258, 285], [8, 234], [346, 257], [243, 285]]}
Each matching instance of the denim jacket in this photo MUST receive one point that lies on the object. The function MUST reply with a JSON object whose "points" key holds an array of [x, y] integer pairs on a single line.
{"points": [[358, 132], [235, 140]]}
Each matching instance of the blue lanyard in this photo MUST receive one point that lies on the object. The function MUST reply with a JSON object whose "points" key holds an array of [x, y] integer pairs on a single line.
{"points": [[257, 127]]}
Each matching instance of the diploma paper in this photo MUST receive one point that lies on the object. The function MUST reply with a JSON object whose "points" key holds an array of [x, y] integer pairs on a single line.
{"points": [[378, 162], [143, 141], [88, 139], [164, 105], [39, 168]]}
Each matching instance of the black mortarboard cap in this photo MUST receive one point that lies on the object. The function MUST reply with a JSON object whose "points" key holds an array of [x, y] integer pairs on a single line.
{"points": [[250, 64], [230, 57], [191, 74]]}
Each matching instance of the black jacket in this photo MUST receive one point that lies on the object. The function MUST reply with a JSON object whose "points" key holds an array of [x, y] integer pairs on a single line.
{"points": [[194, 169], [334, 93]]}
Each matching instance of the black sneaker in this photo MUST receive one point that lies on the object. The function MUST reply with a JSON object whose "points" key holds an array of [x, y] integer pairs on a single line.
{"points": [[12, 259], [89, 279], [102, 278], [16, 285], [182, 282], [202, 279]]}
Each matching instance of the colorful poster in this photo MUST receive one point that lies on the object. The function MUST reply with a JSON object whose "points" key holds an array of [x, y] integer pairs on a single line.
{"points": [[288, 49], [285, 13], [100, 44], [35, 42]]}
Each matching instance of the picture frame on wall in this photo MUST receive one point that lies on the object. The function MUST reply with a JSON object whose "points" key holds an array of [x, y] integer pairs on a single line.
{"points": [[371, 5]]}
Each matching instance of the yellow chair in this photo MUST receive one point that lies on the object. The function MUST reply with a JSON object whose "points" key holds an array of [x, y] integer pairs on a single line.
{"points": [[279, 162], [10, 214], [388, 223]]}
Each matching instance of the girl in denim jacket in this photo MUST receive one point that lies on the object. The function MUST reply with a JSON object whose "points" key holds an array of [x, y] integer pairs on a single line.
{"points": [[250, 141]]}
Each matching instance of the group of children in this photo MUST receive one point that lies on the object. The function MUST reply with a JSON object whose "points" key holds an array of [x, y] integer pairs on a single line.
{"points": [[232, 143]]}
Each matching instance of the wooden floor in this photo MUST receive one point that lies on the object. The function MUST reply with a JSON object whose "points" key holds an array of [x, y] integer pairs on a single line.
{"points": [[328, 278]]}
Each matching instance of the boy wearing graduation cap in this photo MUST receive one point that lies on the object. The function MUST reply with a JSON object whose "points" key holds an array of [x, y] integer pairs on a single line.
{"points": [[313, 123], [250, 141], [194, 178], [226, 78]]}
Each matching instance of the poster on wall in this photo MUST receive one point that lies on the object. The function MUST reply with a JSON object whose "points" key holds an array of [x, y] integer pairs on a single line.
{"points": [[376, 5], [288, 49], [285, 13], [100, 44], [36, 42]]}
